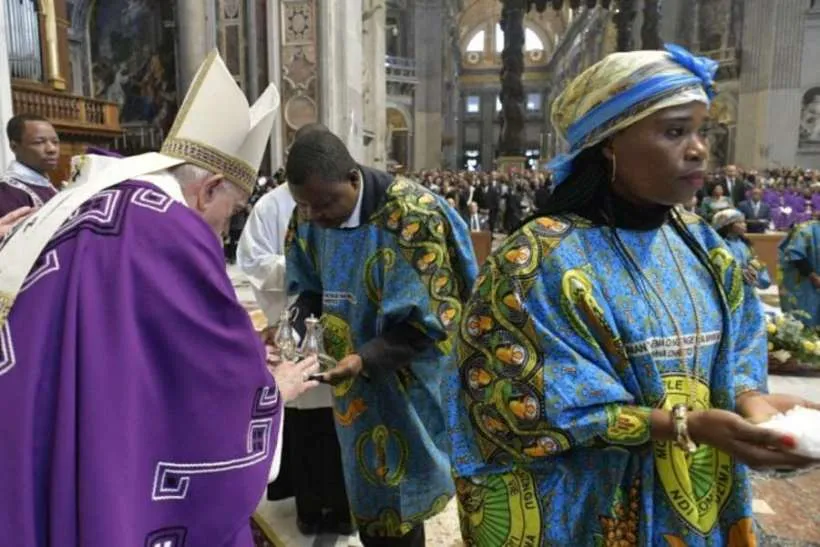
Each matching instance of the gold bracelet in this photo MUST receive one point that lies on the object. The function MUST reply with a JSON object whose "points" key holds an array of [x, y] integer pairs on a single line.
{"points": [[680, 413]]}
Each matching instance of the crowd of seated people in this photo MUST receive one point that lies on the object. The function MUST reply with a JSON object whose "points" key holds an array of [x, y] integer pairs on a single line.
{"points": [[771, 200]]}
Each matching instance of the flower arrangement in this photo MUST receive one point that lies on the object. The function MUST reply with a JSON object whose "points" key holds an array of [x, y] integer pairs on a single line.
{"points": [[791, 344]]}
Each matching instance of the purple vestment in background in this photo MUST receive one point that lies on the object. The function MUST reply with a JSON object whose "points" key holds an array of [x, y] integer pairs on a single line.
{"points": [[136, 407]]}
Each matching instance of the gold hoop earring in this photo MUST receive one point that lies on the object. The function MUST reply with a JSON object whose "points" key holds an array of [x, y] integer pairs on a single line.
{"points": [[614, 165]]}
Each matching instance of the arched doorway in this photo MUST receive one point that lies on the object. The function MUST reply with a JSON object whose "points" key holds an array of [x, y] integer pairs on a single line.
{"points": [[398, 139]]}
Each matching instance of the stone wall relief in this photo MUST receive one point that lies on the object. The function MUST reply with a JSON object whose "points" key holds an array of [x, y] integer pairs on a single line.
{"points": [[299, 66]]}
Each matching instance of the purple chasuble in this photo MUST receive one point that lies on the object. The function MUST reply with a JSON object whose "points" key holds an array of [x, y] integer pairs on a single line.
{"points": [[12, 197], [136, 407]]}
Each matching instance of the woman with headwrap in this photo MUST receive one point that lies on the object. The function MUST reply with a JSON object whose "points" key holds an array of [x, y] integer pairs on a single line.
{"points": [[611, 358], [731, 225]]}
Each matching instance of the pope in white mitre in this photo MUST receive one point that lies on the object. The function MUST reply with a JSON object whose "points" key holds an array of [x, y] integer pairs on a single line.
{"points": [[135, 401]]}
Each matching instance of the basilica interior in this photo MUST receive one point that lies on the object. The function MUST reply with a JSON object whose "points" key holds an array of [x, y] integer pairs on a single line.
{"points": [[413, 84], [419, 86]]}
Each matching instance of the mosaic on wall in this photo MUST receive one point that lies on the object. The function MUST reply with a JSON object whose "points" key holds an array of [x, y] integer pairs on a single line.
{"points": [[133, 61]]}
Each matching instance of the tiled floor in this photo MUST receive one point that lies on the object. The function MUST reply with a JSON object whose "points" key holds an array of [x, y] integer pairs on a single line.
{"points": [[787, 507]]}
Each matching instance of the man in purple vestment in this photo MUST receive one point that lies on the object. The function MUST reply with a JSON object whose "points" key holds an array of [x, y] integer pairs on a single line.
{"points": [[36, 150], [136, 407]]}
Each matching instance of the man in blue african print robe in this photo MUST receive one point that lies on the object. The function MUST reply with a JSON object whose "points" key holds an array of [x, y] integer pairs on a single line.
{"points": [[386, 264]]}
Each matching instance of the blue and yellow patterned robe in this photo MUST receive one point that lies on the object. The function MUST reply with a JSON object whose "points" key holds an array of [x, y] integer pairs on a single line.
{"points": [[746, 257], [797, 295], [561, 360], [409, 263]]}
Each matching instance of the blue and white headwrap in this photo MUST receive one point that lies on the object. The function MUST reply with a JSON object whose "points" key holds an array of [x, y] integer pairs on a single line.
{"points": [[622, 89]]}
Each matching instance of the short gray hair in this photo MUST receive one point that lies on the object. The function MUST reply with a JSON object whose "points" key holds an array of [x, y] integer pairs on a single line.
{"points": [[188, 173]]}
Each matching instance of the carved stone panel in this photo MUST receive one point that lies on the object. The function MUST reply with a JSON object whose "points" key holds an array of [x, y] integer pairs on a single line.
{"points": [[300, 69]]}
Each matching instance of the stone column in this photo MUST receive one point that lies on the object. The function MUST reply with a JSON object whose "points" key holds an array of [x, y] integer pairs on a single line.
{"points": [[428, 123], [6, 110], [277, 137], [253, 51], [374, 86], [192, 28], [340, 71]]}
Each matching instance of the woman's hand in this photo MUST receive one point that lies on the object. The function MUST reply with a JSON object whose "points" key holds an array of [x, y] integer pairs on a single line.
{"points": [[750, 276], [8, 221], [758, 408], [293, 378], [752, 445]]}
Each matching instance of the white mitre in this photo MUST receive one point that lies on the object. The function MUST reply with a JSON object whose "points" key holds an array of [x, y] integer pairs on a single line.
{"points": [[217, 130]]}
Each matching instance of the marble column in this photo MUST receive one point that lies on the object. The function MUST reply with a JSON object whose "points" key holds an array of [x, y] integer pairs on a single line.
{"points": [[6, 110], [192, 31], [277, 136], [374, 82], [340, 71]]}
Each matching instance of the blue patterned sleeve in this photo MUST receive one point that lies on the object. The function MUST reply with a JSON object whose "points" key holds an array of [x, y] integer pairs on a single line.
{"points": [[764, 280], [798, 245], [748, 340], [539, 364], [429, 269]]}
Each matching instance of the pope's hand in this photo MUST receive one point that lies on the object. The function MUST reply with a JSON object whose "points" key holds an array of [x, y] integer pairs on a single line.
{"points": [[349, 367], [293, 379], [8, 221]]}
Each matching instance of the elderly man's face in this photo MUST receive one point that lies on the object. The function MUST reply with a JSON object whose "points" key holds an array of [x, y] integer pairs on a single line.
{"points": [[216, 200]]}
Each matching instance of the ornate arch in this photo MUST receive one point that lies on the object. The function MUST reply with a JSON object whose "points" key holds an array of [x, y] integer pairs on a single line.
{"points": [[407, 123]]}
